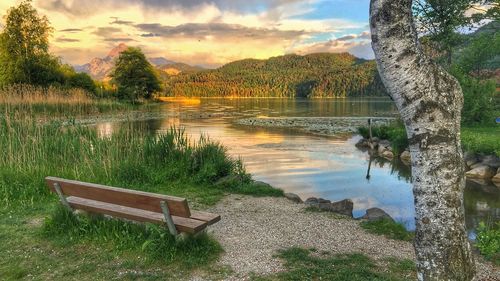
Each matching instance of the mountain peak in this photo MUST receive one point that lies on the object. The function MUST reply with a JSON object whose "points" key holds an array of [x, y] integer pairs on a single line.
{"points": [[116, 51]]}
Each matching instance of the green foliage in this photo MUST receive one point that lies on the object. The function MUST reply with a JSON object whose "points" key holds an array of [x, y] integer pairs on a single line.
{"points": [[440, 20], [307, 264], [488, 241], [314, 75], [479, 99], [396, 133], [482, 140], [134, 76], [481, 49], [82, 81], [155, 242], [24, 44], [388, 228]]}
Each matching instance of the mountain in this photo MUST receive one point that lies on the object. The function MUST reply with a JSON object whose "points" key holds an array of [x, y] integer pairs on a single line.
{"points": [[313, 75], [100, 68]]}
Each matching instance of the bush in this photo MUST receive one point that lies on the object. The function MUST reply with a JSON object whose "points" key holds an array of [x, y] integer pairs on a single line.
{"points": [[395, 132], [488, 241], [479, 103]]}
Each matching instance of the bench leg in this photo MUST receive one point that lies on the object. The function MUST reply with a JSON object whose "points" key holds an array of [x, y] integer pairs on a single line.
{"points": [[168, 218], [63, 200]]}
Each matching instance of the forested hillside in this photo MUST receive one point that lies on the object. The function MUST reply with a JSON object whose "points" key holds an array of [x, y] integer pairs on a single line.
{"points": [[314, 75]]}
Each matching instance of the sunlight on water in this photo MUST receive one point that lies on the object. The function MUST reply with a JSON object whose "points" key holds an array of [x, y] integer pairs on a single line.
{"points": [[308, 165]]}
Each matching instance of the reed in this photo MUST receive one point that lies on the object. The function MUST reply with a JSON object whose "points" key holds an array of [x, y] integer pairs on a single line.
{"points": [[54, 101]]}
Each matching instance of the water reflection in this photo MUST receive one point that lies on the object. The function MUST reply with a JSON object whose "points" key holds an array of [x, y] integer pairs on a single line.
{"points": [[308, 165]]}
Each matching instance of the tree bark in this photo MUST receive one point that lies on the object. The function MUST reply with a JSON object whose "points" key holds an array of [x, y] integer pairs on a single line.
{"points": [[430, 103]]}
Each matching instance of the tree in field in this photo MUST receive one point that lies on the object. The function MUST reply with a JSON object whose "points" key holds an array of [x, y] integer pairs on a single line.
{"points": [[441, 19], [24, 44], [430, 102], [134, 76]]}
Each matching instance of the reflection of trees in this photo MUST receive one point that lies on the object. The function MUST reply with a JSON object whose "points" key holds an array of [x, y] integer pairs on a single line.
{"points": [[482, 203], [398, 168]]}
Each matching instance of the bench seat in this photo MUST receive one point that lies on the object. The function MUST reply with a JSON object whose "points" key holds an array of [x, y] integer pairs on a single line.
{"points": [[187, 225], [135, 205]]}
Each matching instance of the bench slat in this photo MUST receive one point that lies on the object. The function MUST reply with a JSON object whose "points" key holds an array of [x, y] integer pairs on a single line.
{"points": [[182, 224], [206, 217], [120, 196]]}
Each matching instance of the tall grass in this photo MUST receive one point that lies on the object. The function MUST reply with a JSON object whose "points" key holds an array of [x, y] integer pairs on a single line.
{"points": [[54, 101], [153, 242], [127, 158]]}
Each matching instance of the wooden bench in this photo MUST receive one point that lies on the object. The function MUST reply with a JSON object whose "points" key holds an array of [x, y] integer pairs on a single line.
{"points": [[131, 204]]}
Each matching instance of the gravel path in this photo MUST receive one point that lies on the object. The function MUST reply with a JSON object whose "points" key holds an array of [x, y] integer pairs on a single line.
{"points": [[253, 229]]}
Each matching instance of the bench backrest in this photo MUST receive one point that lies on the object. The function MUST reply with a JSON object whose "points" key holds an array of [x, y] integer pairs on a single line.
{"points": [[120, 196]]}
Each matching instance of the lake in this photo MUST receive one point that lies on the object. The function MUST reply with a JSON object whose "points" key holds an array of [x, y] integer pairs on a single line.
{"points": [[305, 164]]}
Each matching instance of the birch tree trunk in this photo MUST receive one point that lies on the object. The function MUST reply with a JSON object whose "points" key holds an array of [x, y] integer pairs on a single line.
{"points": [[430, 103]]}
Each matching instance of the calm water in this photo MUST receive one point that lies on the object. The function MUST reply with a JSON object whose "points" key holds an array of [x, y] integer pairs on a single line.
{"points": [[328, 167]]}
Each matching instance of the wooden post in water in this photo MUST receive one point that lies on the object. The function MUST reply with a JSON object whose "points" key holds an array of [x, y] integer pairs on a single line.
{"points": [[370, 131]]}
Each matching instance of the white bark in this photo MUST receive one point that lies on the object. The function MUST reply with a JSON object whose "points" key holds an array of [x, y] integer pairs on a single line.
{"points": [[430, 102]]}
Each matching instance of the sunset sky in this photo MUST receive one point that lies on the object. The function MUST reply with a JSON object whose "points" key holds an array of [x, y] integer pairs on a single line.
{"points": [[205, 32]]}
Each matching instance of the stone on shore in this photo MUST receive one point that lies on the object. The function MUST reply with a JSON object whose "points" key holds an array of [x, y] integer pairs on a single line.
{"points": [[388, 154], [293, 197], [496, 178], [405, 157], [343, 207], [480, 172], [375, 214]]}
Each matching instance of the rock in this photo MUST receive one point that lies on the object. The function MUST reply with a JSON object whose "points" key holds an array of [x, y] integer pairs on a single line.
{"points": [[343, 207], [480, 172], [470, 158], [311, 201], [374, 214], [496, 178], [492, 161], [405, 157], [384, 143], [388, 154], [477, 164], [321, 200], [363, 143], [375, 140], [293, 197]]}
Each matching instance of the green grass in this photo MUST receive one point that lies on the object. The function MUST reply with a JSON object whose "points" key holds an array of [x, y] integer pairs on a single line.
{"points": [[66, 247], [394, 132], [482, 139], [388, 228], [153, 242], [308, 264], [488, 241]]}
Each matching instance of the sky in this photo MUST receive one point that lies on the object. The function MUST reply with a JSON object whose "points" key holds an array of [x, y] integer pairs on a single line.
{"points": [[205, 32]]}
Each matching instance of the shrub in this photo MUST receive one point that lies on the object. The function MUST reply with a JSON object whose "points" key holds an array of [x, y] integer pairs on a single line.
{"points": [[488, 241]]}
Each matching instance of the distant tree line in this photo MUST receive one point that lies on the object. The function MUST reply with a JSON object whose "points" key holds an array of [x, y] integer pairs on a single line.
{"points": [[314, 75]]}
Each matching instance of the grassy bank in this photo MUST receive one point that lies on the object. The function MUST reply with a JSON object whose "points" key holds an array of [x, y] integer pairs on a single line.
{"points": [[481, 140], [54, 101], [310, 264], [39, 239]]}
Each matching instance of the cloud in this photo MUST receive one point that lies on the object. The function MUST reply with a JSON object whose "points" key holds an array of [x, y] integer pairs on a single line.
{"points": [[71, 30], [119, 39], [83, 8], [117, 20], [106, 31], [356, 44], [216, 30], [66, 40]]}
